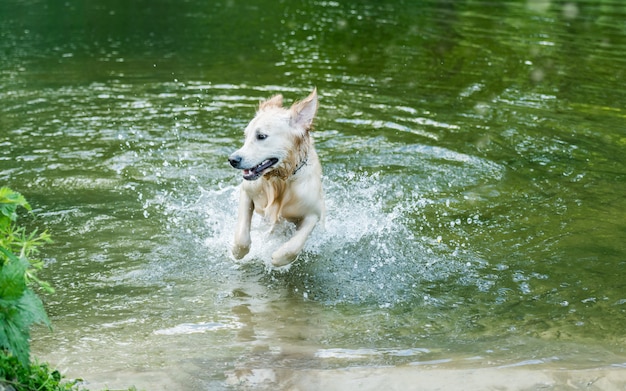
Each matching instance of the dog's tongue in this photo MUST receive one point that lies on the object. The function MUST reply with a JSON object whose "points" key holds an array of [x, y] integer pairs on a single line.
{"points": [[256, 171], [250, 173]]}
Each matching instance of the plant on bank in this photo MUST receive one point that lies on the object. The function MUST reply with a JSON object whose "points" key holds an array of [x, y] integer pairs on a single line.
{"points": [[20, 307], [35, 376]]}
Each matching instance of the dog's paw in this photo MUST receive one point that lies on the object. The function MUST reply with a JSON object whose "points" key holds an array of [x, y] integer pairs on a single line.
{"points": [[240, 251], [283, 258]]}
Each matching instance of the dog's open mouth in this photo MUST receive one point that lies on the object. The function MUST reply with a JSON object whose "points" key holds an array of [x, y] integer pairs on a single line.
{"points": [[255, 172]]}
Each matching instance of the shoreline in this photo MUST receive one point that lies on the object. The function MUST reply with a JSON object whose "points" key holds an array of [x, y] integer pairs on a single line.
{"points": [[400, 378], [427, 379]]}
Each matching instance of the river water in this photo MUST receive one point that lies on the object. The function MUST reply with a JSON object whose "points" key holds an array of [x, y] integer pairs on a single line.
{"points": [[474, 170]]}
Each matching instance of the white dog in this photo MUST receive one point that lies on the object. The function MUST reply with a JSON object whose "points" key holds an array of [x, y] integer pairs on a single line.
{"points": [[282, 174]]}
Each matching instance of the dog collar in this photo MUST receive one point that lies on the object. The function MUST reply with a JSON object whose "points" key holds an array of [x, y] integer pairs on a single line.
{"points": [[302, 164]]}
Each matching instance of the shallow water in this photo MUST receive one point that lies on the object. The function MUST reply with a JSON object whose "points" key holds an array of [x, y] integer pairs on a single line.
{"points": [[474, 171]]}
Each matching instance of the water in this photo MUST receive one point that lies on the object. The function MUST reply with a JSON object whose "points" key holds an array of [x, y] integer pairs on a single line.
{"points": [[474, 169]]}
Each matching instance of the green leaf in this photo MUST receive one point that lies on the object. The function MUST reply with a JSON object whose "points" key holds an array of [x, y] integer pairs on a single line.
{"points": [[12, 278], [16, 318], [31, 306], [9, 201], [15, 340]]}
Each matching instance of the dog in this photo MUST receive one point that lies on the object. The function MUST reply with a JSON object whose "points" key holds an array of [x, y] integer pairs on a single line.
{"points": [[282, 174]]}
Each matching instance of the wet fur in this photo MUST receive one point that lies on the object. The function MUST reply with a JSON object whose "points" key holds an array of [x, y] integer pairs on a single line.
{"points": [[291, 189]]}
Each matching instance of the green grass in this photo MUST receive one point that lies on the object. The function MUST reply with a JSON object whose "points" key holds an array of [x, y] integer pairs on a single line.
{"points": [[35, 376]]}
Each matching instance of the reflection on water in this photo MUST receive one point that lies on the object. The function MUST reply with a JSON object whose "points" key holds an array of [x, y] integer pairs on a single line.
{"points": [[473, 166]]}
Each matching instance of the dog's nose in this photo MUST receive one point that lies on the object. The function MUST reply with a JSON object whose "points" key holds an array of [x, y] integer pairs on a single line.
{"points": [[235, 161]]}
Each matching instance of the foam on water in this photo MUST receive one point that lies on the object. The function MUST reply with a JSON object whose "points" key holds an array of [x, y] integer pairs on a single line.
{"points": [[197, 328]]}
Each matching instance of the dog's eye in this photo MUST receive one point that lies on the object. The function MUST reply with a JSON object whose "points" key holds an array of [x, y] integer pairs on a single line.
{"points": [[261, 136]]}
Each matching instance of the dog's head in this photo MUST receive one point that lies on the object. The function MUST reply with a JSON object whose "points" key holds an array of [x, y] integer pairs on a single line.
{"points": [[277, 138]]}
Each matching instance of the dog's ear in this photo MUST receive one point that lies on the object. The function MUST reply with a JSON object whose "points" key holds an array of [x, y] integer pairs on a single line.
{"points": [[274, 101], [303, 112]]}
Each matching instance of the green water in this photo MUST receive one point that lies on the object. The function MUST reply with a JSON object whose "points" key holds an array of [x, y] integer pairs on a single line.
{"points": [[474, 169]]}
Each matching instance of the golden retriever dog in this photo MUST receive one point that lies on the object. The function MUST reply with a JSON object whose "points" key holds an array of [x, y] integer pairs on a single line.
{"points": [[282, 174]]}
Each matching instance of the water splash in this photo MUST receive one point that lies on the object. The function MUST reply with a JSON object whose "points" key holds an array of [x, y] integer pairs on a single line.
{"points": [[367, 250]]}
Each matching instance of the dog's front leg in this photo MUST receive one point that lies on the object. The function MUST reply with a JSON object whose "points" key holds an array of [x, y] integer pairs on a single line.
{"points": [[241, 246], [288, 252]]}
